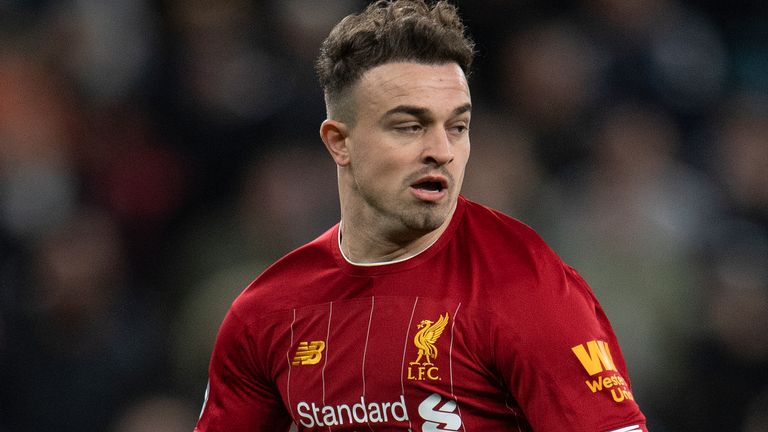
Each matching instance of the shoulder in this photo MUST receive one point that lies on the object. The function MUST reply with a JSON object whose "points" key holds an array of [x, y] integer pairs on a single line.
{"points": [[492, 230], [287, 283], [519, 266]]}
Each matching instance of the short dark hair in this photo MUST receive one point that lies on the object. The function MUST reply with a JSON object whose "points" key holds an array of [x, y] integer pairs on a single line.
{"points": [[389, 31]]}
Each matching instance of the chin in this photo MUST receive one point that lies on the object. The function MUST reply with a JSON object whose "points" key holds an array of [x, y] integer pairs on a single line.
{"points": [[427, 219]]}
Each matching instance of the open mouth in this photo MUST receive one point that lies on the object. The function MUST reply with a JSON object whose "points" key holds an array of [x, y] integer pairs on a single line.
{"points": [[430, 185]]}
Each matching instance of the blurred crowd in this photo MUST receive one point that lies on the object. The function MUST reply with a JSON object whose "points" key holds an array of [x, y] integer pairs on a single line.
{"points": [[155, 156]]}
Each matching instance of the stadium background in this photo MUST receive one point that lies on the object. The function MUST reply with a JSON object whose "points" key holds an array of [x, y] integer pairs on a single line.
{"points": [[155, 156]]}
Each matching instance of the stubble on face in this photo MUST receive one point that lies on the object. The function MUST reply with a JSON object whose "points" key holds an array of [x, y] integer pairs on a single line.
{"points": [[405, 220], [426, 216]]}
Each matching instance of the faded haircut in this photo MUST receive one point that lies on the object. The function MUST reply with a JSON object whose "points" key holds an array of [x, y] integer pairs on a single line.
{"points": [[388, 31]]}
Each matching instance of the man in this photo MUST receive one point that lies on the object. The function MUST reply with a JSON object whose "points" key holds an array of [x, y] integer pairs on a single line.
{"points": [[420, 310]]}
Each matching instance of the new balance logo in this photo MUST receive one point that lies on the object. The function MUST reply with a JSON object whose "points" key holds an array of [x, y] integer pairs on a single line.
{"points": [[595, 358], [435, 417], [309, 353]]}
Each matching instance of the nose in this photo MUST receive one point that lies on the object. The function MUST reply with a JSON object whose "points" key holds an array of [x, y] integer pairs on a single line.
{"points": [[438, 148]]}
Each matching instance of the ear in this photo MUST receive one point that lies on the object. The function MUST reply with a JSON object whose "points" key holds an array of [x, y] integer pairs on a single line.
{"points": [[334, 134]]}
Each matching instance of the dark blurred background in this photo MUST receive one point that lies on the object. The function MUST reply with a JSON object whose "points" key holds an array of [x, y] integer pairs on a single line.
{"points": [[155, 156]]}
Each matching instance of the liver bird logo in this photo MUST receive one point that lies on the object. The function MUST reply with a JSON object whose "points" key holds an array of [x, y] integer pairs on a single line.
{"points": [[426, 338]]}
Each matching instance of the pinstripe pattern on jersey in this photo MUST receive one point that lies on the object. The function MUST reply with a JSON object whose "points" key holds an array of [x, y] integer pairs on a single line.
{"points": [[327, 346], [450, 363], [405, 349], [290, 368], [365, 348]]}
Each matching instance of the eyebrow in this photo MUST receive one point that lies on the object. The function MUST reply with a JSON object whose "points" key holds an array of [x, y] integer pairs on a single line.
{"points": [[420, 112]]}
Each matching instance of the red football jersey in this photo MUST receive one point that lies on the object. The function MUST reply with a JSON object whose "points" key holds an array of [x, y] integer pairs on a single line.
{"points": [[485, 330]]}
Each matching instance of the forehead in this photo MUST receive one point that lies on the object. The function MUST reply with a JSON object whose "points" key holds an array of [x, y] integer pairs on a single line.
{"points": [[439, 87]]}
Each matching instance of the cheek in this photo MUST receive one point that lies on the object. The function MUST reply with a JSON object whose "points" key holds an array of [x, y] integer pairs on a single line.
{"points": [[378, 163], [461, 159], [379, 173], [371, 171]]}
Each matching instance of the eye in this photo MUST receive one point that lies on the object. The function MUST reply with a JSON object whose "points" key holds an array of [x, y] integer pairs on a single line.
{"points": [[409, 128], [459, 129]]}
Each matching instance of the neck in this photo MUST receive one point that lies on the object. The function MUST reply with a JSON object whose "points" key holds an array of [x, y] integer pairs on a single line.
{"points": [[365, 242]]}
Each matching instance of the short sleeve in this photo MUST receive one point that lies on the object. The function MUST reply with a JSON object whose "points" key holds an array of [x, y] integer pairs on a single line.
{"points": [[239, 397], [562, 362]]}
